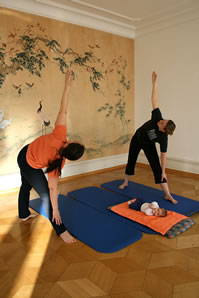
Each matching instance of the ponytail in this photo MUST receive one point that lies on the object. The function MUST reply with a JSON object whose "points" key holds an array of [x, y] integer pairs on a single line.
{"points": [[73, 151], [55, 165]]}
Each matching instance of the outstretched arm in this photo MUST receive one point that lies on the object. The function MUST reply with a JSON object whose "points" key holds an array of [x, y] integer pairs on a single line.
{"points": [[154, 97], [53, 189], [61, 116], [163, 158]]}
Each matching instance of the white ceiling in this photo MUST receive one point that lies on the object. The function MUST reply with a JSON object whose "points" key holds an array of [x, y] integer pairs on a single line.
{"points": [[129, 18], [138, 13]]}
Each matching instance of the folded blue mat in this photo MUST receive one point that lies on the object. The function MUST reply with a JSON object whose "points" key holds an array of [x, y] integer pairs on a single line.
{"points": [[101, 199], [185, 206], [91, 226]]}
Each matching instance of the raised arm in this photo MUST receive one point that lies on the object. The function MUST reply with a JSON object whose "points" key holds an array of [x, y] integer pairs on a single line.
{"points": [[154, 96], [61, 116]]}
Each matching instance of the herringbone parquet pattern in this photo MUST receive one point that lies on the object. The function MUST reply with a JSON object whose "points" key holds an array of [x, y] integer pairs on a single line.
{"points": [[34, 262]]}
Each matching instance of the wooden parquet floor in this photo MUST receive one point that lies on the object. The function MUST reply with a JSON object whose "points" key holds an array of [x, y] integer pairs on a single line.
{"points": [[34, 262]]}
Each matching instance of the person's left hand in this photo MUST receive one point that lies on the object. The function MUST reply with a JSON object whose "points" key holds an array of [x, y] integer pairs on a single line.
{"points": [[56, 216], [69, 78], [164, 176], [154, 77]]}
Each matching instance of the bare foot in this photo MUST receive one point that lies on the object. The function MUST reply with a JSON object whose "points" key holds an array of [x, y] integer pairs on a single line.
{"points": [[170, 198], [66, 236], [122, 186], [30, 216]]}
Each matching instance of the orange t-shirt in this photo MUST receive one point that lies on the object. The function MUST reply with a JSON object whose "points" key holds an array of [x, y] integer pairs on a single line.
{"points": [[45, 149]]}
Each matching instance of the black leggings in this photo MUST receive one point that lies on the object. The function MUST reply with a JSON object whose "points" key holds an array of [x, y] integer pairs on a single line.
{"points": [[151, 155], [34, 178]]}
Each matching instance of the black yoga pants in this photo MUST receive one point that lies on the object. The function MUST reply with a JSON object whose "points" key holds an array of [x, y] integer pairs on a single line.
{"points": [[151, 155], [34, 178]]}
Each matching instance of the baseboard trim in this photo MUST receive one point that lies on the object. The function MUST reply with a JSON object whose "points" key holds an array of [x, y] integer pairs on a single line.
{"points": [[71, 171], [175, 163], [65, 179], [69, 178], [9, 191], [171, 171], [139, 165]]}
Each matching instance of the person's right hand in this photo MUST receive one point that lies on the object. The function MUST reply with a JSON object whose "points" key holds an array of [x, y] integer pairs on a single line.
{"points": [[56, 216]]}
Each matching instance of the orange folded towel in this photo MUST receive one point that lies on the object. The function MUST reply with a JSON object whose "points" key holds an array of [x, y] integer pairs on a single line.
{"points": [[156, 223]]}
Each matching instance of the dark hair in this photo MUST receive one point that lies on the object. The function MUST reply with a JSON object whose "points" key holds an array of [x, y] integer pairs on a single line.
{"points": [[72, 152], [170, 127], [54, 165]]}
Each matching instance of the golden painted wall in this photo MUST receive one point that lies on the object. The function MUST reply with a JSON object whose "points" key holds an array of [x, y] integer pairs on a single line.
{"points": [[35, 52]]}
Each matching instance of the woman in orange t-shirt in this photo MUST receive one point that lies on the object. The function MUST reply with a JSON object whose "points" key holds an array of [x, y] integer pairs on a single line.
{"points": [[48, 151]]}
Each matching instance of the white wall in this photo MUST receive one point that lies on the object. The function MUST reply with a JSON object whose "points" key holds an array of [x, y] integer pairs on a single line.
{"points": [[173, 52]]}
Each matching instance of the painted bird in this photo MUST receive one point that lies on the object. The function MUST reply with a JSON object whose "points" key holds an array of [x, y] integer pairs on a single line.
{"points": [[43, 116], [30, 84], [18, 88]]}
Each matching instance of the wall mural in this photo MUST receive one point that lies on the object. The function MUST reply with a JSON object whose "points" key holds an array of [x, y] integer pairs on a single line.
{"points": [[35, 53]]}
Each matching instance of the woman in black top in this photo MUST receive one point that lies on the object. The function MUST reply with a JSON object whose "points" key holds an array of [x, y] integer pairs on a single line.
{"points": [[155, 130]]}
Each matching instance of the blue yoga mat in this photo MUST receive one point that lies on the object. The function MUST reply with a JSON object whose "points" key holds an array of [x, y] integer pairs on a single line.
{"points": [[185, 206], [101, 199], [91, 226]]}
